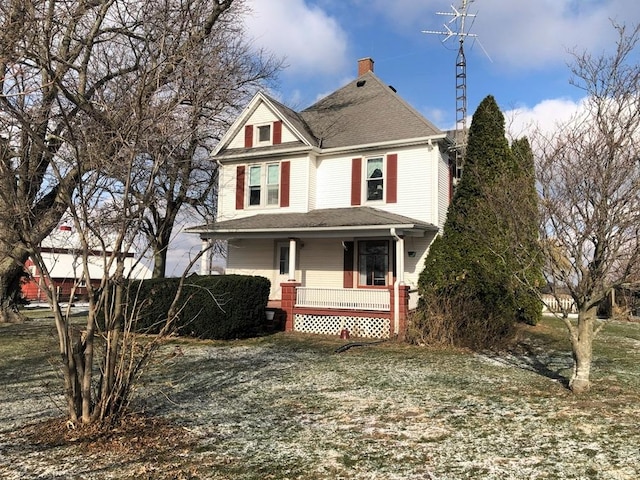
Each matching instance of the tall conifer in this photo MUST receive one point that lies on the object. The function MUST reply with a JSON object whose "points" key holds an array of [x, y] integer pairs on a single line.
{"points": [[472, 262]]}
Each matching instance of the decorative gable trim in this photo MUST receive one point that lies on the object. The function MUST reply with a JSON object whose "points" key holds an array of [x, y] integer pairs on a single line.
{"points": [[240, 173], [356, 181], [392, 178]]}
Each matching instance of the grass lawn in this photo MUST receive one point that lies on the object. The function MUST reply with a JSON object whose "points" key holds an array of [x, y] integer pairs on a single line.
{"points": [[286, 406]]}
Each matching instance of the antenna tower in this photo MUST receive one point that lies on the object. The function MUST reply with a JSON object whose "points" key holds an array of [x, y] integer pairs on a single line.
{"points": [[459, 20]]}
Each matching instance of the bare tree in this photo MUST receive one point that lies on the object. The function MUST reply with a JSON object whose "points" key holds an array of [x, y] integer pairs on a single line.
{"points": [[63, 64], [589, 182], [210, 86]]}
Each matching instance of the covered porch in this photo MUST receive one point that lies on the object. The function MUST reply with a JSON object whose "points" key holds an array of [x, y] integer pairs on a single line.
{"points": [[333, 269]]}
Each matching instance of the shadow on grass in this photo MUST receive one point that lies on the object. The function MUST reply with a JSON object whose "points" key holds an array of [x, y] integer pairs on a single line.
{"points": [[527, 357]]}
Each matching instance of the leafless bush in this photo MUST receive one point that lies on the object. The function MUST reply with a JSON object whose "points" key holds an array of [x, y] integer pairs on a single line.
{"points": [[456, 320]]}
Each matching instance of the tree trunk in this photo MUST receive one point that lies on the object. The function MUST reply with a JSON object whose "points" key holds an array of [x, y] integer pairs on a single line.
{"points": [[582, 348], [160, 244], [11, 271]]}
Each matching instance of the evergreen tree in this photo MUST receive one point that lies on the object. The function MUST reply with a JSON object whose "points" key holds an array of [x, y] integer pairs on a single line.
{"points": [[472, 267]]}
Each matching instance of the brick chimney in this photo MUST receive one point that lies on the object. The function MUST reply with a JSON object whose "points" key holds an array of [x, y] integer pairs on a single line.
{"points": [[365, 65]]}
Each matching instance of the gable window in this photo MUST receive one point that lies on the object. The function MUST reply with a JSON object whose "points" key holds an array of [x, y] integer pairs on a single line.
{"points": [[264, 134], [264, 179], [373, 262], [375, 179]]}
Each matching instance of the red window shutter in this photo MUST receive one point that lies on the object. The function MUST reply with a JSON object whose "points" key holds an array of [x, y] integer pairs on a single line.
{"points": [[392, 178], [356, 181], [277, 132], [285, 174], [240, 187], [248, 136], [348, 264]]}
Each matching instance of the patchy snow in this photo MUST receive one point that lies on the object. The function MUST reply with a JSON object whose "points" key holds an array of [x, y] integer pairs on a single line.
{"points": [[286, 408]]}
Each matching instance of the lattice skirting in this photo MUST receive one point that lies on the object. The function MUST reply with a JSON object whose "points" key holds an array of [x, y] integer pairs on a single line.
{"points": [[333, 325]]}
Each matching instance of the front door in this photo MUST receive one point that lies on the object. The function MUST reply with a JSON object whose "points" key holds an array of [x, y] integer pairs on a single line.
{"points": [[282, 267]]}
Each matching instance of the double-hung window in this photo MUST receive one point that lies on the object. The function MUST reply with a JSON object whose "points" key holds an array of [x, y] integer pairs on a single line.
{"points": [[264, 179], [255, 182], [375, 178], [373, 262], [273, 184]]}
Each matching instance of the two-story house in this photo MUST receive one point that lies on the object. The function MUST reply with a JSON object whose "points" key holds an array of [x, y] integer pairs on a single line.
{"points": [[336, 204]]}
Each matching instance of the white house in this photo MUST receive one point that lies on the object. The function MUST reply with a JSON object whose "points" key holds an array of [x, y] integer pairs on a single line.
{"points": [[336, 204]]}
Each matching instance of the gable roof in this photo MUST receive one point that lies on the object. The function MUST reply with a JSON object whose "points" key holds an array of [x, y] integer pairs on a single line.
{"points": [[314, 222], [365, 111]]}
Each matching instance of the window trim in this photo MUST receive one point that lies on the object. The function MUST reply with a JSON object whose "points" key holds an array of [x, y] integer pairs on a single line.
{"points": [[383, 179], [389, 259], [263, 186], [258, 129]]}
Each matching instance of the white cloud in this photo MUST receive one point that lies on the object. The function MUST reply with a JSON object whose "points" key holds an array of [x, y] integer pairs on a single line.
{"points": [[545, 116], [311, 42]]}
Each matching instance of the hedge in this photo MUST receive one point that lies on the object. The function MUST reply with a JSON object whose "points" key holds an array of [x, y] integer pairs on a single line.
{"points": [[212, 307]]}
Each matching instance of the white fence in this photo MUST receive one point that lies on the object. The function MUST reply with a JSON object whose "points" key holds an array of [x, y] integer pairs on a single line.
{"points": [[347, 298], [564, 302]]}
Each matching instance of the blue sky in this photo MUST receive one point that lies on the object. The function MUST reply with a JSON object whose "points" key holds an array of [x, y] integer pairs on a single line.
{"points": [[525, 67]]}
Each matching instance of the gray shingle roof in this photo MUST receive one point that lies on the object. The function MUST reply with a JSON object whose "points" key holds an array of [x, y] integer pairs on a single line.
{"points": [[365, 111], [322, 219]]}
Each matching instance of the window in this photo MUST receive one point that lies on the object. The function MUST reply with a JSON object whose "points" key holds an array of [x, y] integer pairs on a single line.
{"points": [[373, 262], [264, 134], [273, 184], [268, 181], [375, 180], [255, 179]]}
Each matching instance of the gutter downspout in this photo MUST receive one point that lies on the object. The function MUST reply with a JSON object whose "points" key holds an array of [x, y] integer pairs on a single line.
{"points": [[399, 279]]}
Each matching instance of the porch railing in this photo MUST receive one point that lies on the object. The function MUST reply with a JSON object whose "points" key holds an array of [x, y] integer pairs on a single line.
{"points": [[344, 298]]}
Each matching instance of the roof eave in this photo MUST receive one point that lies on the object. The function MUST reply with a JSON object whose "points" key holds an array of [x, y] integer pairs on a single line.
{"points": [[408, 229]]}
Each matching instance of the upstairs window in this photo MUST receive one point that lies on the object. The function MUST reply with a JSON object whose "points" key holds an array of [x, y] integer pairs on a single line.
{"points": [[255, 182], [273, 184], [267, 180], [375, 178]]}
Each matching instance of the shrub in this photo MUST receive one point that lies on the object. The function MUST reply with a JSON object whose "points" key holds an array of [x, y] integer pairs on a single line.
{"points": [[457, 319], [213, 307]]}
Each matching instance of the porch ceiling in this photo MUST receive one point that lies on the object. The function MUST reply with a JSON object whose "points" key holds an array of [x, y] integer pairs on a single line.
{"points": [[331, 222]]}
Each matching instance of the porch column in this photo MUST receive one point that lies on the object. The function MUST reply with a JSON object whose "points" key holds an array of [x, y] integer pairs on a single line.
{"points": [[292, 260], [205, 260], [399, 280], [288, 303]]}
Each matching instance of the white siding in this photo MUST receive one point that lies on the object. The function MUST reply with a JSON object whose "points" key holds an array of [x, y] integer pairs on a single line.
{"points": [[414, 265], [444, 190], [321, 263], [298, 190], [333, 182], [418, 190]]}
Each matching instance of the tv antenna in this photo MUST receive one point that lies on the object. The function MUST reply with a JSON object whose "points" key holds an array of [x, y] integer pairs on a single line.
{"points": [[457, 27]]}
